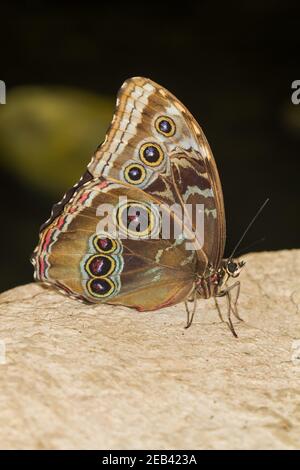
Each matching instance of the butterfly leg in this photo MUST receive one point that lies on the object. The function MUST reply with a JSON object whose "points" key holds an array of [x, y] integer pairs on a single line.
{"points": [[190, 314], [229, 309], [234, 308], [219, 310]]}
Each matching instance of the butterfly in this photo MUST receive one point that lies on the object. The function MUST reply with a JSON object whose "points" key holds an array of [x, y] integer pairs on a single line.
{"points": [[154, 157]]}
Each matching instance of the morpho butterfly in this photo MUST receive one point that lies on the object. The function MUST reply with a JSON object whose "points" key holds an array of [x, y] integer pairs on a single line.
{"points": [[155, 158]]}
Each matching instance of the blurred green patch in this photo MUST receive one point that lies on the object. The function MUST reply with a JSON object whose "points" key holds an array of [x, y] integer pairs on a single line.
{"points": [[48, 135]]}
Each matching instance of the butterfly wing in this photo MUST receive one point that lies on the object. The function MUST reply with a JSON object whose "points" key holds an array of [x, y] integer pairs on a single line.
{"points": [[77, 255], [153, 138], [154, 152]]}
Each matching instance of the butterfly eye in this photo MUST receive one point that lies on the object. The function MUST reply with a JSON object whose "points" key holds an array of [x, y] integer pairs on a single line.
{"points": [[165, 126], [100, 265], [104, 244], [100, 288], [134, 173], [231, 267], [151, 154]]}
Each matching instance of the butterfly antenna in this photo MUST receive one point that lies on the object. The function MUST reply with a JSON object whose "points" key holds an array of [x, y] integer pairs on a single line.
{"points": [[248, 227], [256, 242]]}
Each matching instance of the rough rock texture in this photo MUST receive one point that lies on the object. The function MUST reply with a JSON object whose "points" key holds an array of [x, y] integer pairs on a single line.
{"points": [[104, 377]]}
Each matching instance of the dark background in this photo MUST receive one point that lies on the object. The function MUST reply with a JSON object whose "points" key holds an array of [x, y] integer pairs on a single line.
{"points": [[230, 63]]}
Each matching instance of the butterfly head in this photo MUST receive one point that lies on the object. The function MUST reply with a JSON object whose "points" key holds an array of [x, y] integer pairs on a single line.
{"points": [[214, 280], [232, 267], [218, 278]]}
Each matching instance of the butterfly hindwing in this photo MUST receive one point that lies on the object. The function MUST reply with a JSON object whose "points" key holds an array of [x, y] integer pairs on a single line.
{"points": [[142, 272]]}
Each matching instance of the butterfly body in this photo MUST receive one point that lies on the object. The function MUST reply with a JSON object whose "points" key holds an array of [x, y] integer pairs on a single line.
{"points": [[150, 182]]}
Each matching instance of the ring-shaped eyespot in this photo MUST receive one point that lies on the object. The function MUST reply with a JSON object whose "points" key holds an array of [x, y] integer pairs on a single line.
{"points": [[104, 244], [100, 287], [135, 173], [137, 220], [165, 126], [151, 154], [100, 265]]}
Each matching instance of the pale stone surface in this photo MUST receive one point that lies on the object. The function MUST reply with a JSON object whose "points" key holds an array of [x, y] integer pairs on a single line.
{"points": [[104, 377]]}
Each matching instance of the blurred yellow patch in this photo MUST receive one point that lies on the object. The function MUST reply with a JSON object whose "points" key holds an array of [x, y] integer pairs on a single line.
{"points": [[48, 135]]}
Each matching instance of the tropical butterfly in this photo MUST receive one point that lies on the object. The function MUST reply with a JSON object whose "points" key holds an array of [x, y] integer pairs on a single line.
{"points": [[155, 156]]}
